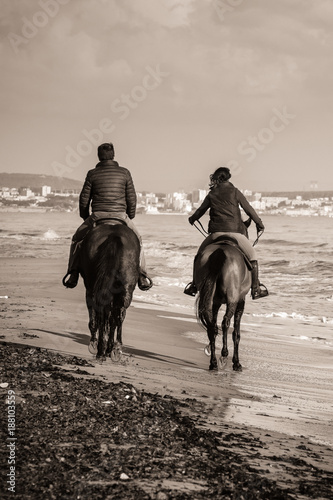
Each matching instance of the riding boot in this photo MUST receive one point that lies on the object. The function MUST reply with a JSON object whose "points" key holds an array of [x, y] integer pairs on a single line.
{"points": [[72, 271], [191, 289], [256, 291], [144, 282]]}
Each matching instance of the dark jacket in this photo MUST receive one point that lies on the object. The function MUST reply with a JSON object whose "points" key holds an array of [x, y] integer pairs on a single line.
{"points": [[110, 188], [225, 215]]}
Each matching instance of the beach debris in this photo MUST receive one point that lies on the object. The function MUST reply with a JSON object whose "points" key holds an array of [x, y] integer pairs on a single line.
{"points": [[4, 297], [169, 444]]}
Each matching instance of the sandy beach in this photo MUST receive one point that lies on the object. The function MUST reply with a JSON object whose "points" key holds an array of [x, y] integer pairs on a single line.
{"points": [[284, 396]]}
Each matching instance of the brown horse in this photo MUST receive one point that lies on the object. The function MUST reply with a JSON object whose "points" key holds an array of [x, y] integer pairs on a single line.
{"points": [[109, 265], [222, 276]]}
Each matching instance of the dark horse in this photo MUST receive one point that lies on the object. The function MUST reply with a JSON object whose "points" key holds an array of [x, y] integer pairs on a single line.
{"points": [[222, 277], [109, 265]]}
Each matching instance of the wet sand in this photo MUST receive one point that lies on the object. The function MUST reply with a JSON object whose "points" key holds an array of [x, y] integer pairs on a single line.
{"points": [[284, 394]]}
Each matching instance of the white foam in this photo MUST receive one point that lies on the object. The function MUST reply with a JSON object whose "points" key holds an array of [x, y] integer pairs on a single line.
{"points": [[50, 234], [294, 315]]}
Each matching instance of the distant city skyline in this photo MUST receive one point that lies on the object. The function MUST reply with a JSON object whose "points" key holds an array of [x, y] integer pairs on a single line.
{"points": [[181, 87], [12, 183]]}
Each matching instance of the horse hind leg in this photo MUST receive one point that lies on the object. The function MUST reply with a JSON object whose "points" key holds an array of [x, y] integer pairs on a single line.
{"points": [[236, 335], [210, 321], [114, 349], [92, 324], [230, 310]]}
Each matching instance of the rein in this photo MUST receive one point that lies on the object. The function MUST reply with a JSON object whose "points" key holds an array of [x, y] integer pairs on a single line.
{"points": [[205, 233], [259, 233]]}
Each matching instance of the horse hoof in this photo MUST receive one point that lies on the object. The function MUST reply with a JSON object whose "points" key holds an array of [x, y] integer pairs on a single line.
{"points": [[116, 354], [222, 363], [213, 368], [207, 350], [238, 368], [92, 348]]}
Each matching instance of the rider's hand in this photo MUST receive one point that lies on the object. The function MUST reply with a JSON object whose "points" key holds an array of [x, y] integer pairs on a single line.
{"points": [[260, 227], [191, 221]]}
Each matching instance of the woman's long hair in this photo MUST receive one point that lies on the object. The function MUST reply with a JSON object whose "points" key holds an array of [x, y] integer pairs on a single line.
{"points": [[222, 174]]}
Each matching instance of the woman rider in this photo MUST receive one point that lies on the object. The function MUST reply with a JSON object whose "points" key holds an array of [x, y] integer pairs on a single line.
{"points": [[224, 200]]}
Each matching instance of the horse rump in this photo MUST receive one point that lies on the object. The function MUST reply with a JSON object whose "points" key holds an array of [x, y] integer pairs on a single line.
{"points": [[108, 281], [110, 269]]}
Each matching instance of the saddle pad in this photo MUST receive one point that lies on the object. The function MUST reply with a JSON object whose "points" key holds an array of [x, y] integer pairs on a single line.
{"points": [[110, 220], [229, 240]]}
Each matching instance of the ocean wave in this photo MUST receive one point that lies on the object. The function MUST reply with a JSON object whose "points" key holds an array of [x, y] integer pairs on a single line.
{"points": [[297, 267], [163, 248], [277, 263], [162, 300], [282, 243], [296, 316], [169, 282], [50, 234], [321, 340]]}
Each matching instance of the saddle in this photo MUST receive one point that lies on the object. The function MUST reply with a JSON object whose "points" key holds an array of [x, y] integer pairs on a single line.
{"points": [[109, 220], [229, 240]]}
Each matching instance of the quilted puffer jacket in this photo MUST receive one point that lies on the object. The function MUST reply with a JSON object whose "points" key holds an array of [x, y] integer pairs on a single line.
{"points": [[109, 188]]}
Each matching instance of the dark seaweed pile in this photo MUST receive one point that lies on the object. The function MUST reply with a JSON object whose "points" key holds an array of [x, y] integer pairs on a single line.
{"points": [[79, 437]]}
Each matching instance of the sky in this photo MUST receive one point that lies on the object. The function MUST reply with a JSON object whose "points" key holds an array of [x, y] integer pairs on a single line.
{"points": [[181, 87]]}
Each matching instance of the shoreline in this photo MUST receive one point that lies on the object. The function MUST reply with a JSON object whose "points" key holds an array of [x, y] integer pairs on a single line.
{"points": [[283, 398], [283, 378]]}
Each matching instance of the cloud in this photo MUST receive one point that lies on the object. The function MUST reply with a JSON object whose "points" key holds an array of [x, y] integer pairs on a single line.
{"points": [[167, 13], [225, 76]]}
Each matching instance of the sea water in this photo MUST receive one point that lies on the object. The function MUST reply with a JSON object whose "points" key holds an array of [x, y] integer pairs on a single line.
{"points": [[294, 254]]}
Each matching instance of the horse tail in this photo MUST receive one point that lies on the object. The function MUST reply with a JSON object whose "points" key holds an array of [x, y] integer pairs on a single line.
{"points": [[109, 280], [204, 303]]}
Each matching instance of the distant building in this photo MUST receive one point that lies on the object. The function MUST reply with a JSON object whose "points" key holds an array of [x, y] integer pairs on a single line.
{"points": [[178, 201], [274, 201], [198, 195], [26, 192], [46, 190]]}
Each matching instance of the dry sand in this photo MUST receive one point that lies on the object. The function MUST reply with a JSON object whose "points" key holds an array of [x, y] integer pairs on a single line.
{"points": [[284, 394]]}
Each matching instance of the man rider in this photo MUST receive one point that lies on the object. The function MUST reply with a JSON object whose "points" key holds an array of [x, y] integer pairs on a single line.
{"points": [[110, 190], [224, 200]]}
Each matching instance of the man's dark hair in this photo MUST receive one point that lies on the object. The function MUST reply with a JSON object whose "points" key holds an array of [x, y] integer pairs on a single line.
{"points": [[106, 151], [222, 174]]}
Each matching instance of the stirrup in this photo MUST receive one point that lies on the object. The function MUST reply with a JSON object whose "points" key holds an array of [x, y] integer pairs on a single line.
{"points": [[72, 281], [190, 289], [259, 292]]}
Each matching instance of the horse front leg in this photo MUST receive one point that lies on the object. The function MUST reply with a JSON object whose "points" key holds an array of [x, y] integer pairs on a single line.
{"points": [[236, 335], [231, 307]]}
